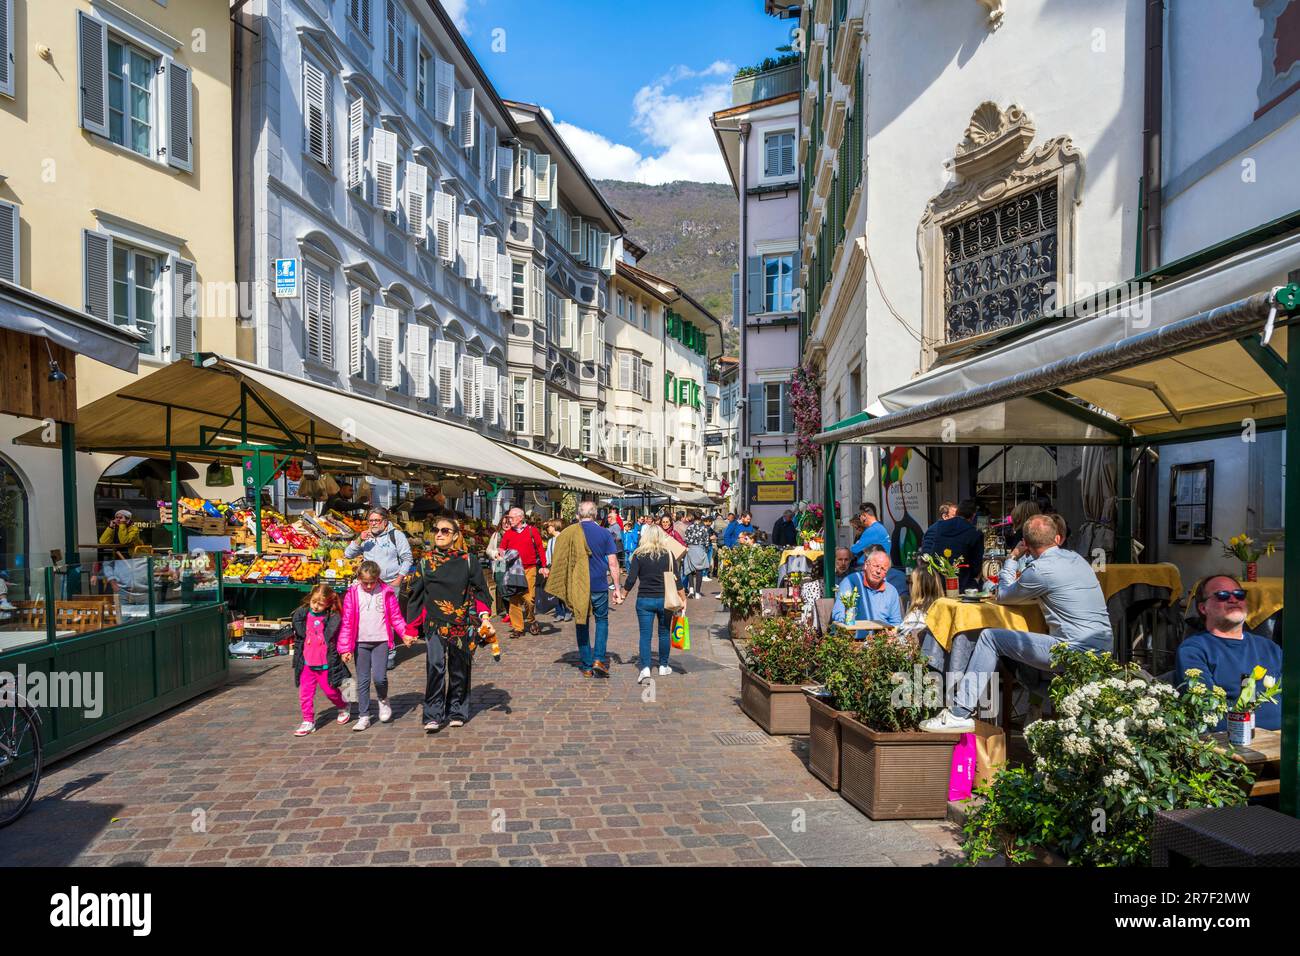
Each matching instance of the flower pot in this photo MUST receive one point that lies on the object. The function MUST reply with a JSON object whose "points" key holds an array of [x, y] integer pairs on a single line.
{"points": [[740, 625], [1252, 571], [823, 741], [895, 776], [851, 615], [1241, 729], [951, 587], [780, 709]]}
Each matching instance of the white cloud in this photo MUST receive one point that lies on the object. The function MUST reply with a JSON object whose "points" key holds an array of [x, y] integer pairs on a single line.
{"points": [[458, 11], [675, 124]]}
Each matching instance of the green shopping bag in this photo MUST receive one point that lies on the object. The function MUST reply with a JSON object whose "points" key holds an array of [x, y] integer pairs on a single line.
{"points": [[681, 636]]}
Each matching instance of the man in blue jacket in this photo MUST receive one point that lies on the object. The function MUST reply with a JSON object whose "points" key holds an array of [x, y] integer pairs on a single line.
{"points": [[731, 537], [873, 535], [959, 535]]}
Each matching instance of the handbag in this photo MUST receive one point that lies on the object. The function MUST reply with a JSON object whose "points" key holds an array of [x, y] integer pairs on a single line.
{"points": [[672, 597], [961, 779], [681, 633]]}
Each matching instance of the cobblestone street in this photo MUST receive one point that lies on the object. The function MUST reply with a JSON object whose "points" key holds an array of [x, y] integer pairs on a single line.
{"points": [[553, 768]]}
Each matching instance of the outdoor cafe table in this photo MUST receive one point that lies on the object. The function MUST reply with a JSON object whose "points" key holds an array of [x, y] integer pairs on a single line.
{"points": [[796, 561], [949, 617], [1263, 755], [1130, 589], [1263, 600]]}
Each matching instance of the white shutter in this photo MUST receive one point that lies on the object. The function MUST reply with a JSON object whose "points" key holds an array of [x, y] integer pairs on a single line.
{"points": [[604, 253], [575, 426], [10, 233], [465, 117], [97, 255], [184, 309], [446, 370], [539, 408], [487, 147], [467, 231], [355, 305], [489, 395], [577, 238], [505, 172], [356, 154], [317, 98], [539, 294], [568, 312], [320, 316], [504, 399], [417, 358], [92, 54], [7, 47], [417, 178], [542, 181], [444, 216], [383, 155], [384, 321], [466, 384], [180, 116], [589, 338], [504, 284], [487, 265], [444, 89], [527, 179], [476, 397]]}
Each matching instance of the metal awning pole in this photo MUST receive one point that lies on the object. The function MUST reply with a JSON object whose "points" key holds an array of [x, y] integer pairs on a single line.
{"points": [[1124, 506], [829, 520], [1291, 591], [176, 506]]}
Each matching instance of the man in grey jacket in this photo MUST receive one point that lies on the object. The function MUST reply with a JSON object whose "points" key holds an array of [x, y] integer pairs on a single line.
{"points": [[386, 545], [1064, 585]]}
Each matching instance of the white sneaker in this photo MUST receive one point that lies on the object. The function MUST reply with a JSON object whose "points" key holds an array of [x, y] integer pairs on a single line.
{"points": [[363, 723], [345, 715], [643, 676], [665, 671], [706, 578], [307, 727], [946, 722], [385, 712]]}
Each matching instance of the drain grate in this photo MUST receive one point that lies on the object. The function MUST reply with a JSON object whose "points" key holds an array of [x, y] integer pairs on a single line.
{"points": [[733, 739]]}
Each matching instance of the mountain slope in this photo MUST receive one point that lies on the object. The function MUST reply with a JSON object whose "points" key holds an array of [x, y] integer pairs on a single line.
{"points": [[690, 232]]}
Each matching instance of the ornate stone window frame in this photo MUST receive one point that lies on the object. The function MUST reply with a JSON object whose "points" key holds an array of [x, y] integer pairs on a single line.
{"points": [[994, 162]]}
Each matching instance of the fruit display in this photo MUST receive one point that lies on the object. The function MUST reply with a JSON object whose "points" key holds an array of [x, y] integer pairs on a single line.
{"points": [[306, 572], [290, 536], [283, 571], [261, 568], [339, 569], [355, 525], [235, 568], [327, 526]]}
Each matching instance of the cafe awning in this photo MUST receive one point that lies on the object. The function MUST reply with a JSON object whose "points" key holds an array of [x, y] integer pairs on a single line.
{"points": [[196, 409], [1209, 370], [695, 499], [568, 474], [22, 310]]}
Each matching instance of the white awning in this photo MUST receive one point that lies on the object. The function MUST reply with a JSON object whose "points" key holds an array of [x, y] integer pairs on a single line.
{"points": [[568, 474], [22, 310], [180, 404]]}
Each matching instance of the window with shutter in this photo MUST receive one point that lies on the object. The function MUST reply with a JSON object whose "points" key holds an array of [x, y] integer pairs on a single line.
{"points": [[489, 376], [520, 403], [467, 232], [487, 265], [417, 358], [383, 156], [356, 140], [97, 251], [356, 356], [319, 310], [647, 376], [10, 236], [503, 391], [384, 323], [92, 56], [359, 12], [465, 118], [518, 289], [539, 293], [446, 371], [444, 213], [527, 178], [505, 284], [184, 309], [318, 113], [542, 178], [466, 384], [395, 36], [578, 239], [589, 338], [417, 177], [7, 47], [505, 160]]}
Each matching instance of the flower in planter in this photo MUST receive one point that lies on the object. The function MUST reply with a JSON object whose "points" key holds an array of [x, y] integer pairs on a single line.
{"points": [[781, 650]]}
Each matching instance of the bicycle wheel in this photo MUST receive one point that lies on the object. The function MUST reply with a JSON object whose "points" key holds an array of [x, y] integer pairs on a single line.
{"points": [[20, 761]]}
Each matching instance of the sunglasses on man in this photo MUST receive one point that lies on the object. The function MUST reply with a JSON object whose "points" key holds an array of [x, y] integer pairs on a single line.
{"points": [[1239, 594]]}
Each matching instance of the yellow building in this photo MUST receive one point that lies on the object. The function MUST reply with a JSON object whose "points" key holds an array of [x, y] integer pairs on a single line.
{"points": [[116, 198]]}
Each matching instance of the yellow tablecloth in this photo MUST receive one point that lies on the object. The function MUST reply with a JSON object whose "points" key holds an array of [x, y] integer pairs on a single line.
{"points": [[949, 616], [808, 553], [1263, 600], [1117, 577]]}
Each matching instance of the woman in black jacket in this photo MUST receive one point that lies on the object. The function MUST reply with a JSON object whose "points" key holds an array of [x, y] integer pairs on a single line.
{"points": [[648, 564], [449, 603]]}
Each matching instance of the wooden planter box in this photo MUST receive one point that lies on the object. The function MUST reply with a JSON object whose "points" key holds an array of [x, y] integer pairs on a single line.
{"points": [[740, 625], [895, 776], [824, 741], [780, 709]]}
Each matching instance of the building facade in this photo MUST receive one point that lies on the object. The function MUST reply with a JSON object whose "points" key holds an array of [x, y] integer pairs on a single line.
{"points": [[372, 151], [758, 137], [115, 198]]}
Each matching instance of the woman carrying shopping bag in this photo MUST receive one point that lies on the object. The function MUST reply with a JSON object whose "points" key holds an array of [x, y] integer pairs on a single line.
{"points": [[655, 569]]}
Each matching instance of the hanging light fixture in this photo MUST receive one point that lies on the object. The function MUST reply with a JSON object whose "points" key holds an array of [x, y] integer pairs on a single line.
{"points": [[56, 373]]}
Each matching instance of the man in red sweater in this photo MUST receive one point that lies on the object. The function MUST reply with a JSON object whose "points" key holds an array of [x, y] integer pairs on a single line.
{"points": [[524, 538]]}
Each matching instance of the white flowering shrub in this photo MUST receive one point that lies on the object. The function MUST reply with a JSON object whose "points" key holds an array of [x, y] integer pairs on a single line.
{"points": [[1120, 749]]}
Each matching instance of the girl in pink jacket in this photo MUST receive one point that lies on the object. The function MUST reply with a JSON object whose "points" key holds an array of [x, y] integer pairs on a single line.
{"points": [[371, 618]]}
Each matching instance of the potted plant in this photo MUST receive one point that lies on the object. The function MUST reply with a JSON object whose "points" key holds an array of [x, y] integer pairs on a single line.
{"points": [[849, 599], [1121, 749], [743, 574], [778, 663], [837, 665], [1242, 547], [889, 769], [947, 569], [1241, 716]]}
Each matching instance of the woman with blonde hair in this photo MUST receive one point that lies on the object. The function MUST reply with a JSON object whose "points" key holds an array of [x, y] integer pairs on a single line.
{"points": [[1021, 513], [648, 565], [924, 588]]}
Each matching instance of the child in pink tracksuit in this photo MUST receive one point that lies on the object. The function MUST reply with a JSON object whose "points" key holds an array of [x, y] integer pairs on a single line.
{"points": [[317, 656], [371, 616]]}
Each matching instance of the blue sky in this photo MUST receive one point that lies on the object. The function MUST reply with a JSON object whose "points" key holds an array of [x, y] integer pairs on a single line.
{"points": [[630, 85]]}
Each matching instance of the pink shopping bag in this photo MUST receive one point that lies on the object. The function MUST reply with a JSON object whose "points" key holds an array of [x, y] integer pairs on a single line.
{"points": [[962, 779]]}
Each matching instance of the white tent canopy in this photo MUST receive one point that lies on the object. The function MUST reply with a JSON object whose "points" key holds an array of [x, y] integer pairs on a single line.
{"points": [[568, 474]]}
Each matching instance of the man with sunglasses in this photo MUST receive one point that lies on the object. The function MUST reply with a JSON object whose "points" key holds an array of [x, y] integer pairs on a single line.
{"points": [[1225, 651]]}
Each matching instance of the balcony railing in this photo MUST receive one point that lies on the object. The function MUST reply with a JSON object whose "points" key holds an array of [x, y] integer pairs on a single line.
{"points": [[765, 85]]}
